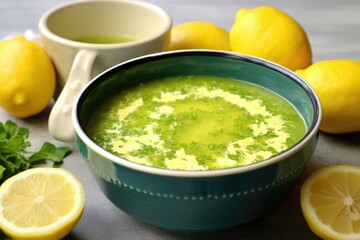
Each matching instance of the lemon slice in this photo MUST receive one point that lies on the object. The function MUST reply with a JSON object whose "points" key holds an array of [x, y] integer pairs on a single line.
{"points": [[41, 203], [330, 201]]}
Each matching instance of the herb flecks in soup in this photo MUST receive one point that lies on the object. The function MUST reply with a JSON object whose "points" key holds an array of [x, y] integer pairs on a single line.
{"points": [[196, 123]]}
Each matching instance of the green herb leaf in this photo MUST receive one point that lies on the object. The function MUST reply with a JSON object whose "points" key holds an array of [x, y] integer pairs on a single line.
{"points": [[14, 156], [2, 170], [49, 152], [14, 130]]}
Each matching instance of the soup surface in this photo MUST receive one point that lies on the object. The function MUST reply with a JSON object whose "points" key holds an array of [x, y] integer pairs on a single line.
{"points": [[196, 123]]}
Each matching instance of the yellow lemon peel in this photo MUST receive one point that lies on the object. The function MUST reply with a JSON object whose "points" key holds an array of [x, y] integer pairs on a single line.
{"points": [[270, 33], [198, 35], [337, 83], [27, 77]]}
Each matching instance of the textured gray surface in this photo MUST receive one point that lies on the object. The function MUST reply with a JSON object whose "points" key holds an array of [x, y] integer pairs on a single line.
{"points": [[333, 27]]}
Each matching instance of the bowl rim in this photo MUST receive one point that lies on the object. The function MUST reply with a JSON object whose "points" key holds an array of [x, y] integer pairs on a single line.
{"points": [[311, 132]]}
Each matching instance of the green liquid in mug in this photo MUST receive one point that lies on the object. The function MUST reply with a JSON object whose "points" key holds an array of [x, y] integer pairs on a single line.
{"points": [[105, 39]]}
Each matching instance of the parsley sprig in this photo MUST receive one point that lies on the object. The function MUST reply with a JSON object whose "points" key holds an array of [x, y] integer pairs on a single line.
{"points": [[14, 156]]}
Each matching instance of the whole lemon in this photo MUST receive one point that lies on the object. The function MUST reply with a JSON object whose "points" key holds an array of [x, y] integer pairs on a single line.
{"points": [[199, 35], [337, 83], [27, 77], [269, 33]]}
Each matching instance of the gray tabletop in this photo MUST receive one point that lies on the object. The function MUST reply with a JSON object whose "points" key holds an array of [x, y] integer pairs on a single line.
{"points": [[333, 27]]}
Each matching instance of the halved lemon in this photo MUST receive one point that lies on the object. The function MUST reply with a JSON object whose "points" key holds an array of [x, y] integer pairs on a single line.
{"points": [[41, 203], [330, 201]]}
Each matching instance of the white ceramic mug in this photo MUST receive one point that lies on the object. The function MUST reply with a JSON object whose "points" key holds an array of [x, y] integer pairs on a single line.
{"points": [[77, 62]]}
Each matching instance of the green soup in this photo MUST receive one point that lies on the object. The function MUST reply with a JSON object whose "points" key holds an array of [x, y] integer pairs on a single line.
{"points": [[105, 39], [196, 123]]}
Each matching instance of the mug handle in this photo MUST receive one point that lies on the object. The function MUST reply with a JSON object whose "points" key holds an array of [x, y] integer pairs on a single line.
{"points": [[60, 122]]}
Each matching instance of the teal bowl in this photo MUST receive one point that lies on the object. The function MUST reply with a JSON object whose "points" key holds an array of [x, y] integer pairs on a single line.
{"points": [[198, 200]]}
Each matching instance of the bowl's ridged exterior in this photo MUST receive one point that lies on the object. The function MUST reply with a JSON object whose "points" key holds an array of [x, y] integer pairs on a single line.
{"points": [[197, 204]]}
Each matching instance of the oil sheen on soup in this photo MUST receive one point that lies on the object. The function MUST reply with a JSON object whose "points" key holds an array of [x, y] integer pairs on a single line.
{"points": [[196, 123]]}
